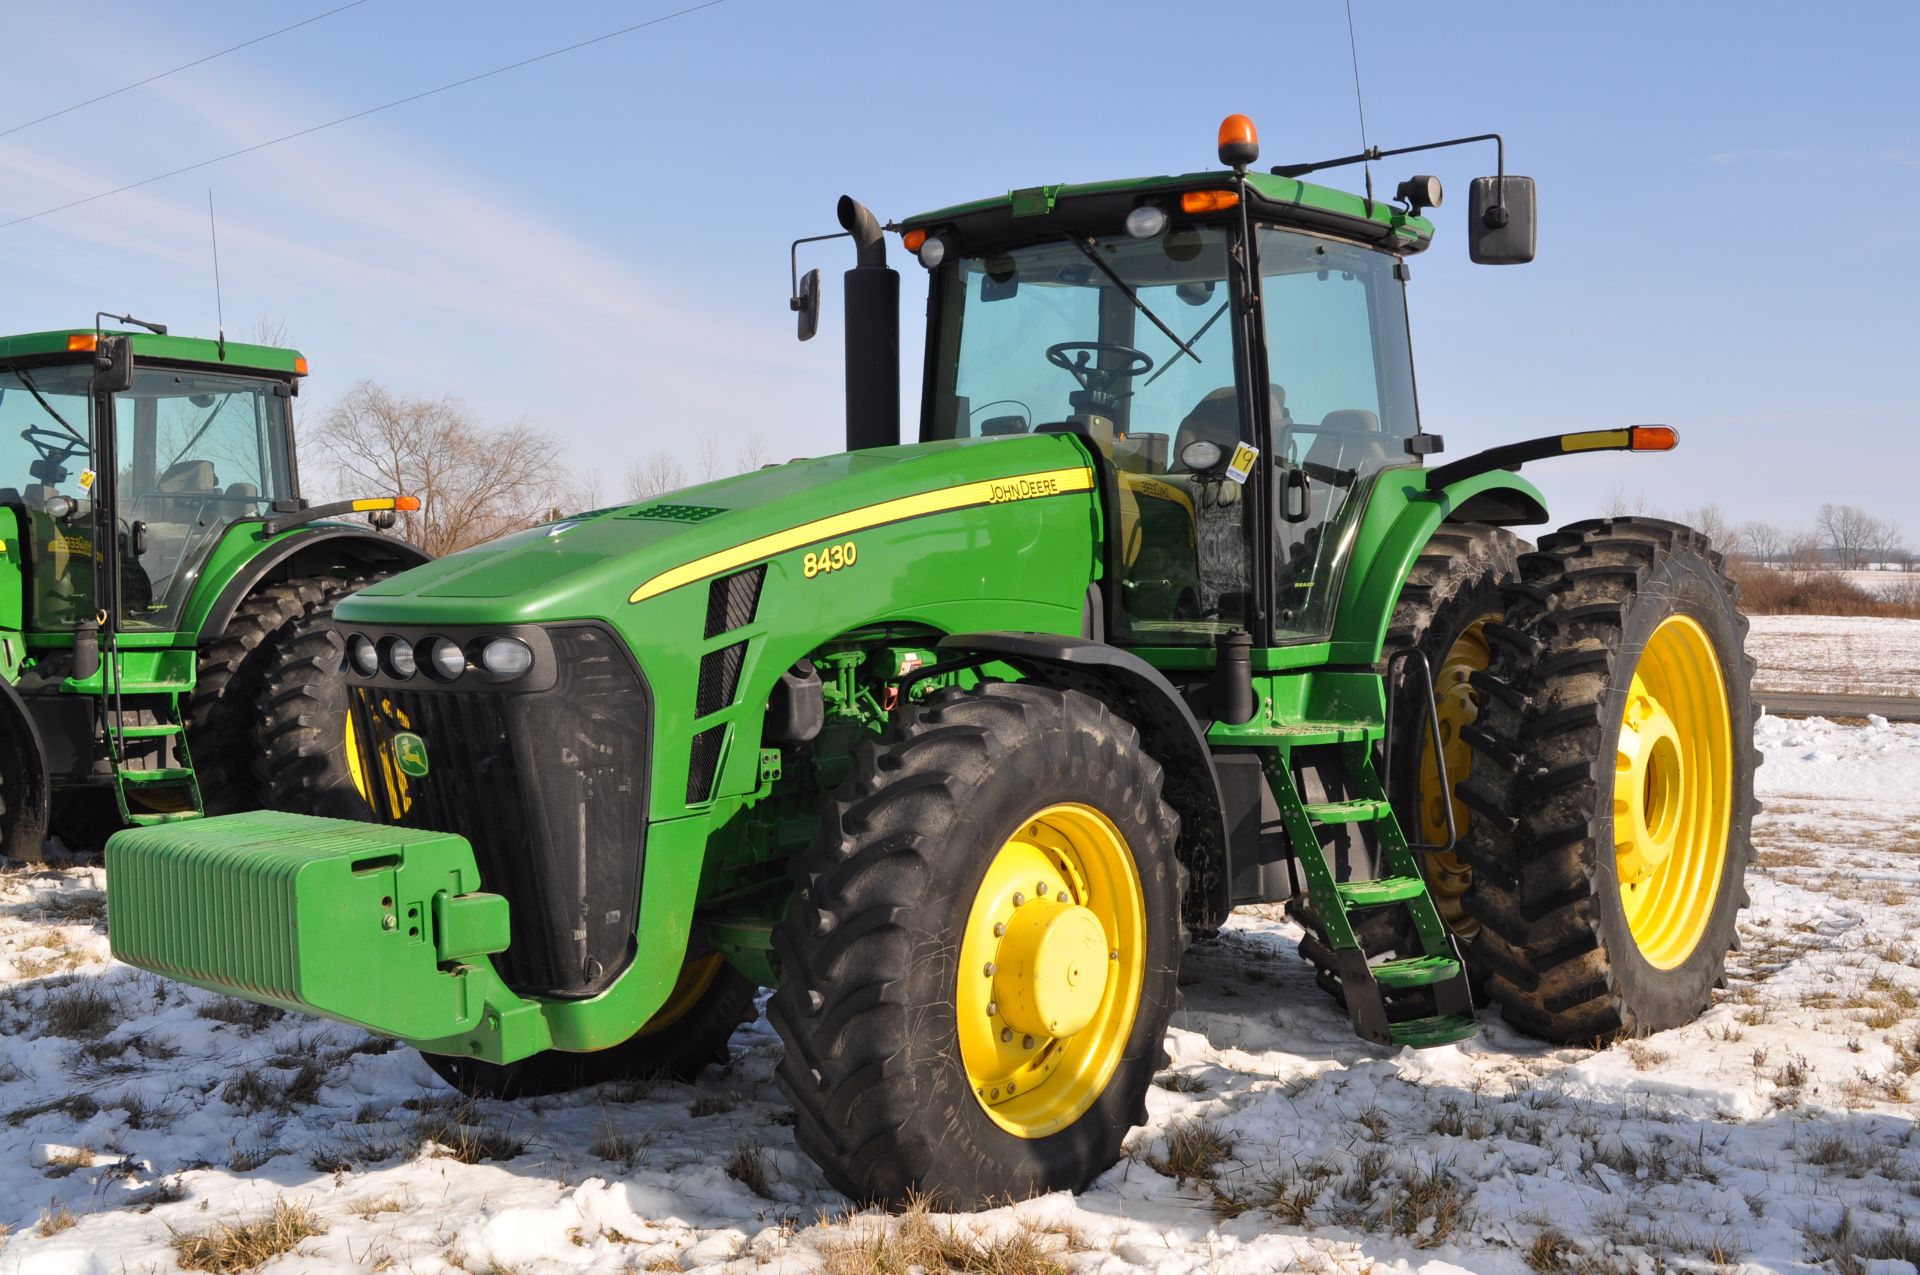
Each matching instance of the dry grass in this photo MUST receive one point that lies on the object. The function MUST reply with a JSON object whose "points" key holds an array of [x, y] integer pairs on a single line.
{"points": [[750, 1169], [68, 907], [619, 1146], [56, 1220], [79, 1013], [917, 1243], [459, 1134], [1850, 1247], [1195, 1151], [238, 1013], [1181, 1082], [1771, 591], [1645, 1057], [712, 1104], [228, 1248]]}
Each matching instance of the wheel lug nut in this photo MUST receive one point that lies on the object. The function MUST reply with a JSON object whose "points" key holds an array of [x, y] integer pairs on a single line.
{"points": [[1010, 1088], [1006, 1034], [1114, 955], [993, 1007], [1026, 1042], [999, 929], [1041, 889], [1018, 898], [991, 967]]}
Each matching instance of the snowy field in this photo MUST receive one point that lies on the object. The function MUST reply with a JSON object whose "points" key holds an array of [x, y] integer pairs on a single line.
{"points": [[143, 1124], [1829, 654]]}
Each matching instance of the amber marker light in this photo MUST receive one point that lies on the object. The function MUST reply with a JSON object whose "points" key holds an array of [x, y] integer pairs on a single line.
{"points": [[913, 239], [1206, 201], [406, 504], [1239, 143], [299, 365], [1653, 438], [82, 341]]}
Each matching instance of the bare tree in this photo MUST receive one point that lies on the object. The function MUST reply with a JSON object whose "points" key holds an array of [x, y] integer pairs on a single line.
{"points": [[709, 458], [1621, 503], [1884, 541], [473, 483], [1850, 532], [1762, 541], [1710, 520], [1802, 551], [752, 454], [659, 472]]}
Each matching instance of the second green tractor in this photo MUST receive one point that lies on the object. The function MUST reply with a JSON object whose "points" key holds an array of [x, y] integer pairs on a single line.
{"points": [[959, 744]]}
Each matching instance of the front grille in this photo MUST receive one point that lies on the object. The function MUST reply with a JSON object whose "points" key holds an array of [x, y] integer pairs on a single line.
{"points": [[550, 787]]}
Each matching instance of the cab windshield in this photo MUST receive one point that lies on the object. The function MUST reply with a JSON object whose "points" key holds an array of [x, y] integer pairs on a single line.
{"points": [[1047, 336], [196, 451]]}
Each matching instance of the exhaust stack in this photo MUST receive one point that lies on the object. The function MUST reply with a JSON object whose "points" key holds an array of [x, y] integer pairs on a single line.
{"points": [[873, 334]]}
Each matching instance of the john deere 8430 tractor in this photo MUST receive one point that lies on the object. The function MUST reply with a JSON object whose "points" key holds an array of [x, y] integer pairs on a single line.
{"points": [[153, 550], [957, 745]]}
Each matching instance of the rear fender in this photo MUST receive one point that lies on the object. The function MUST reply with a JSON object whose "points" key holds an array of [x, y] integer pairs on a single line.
{"points": [[1172, 736], [314, 550], [1400, 518]]}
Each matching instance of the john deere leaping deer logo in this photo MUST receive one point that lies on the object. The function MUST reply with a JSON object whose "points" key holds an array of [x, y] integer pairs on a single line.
{"points": [[410, 754]]}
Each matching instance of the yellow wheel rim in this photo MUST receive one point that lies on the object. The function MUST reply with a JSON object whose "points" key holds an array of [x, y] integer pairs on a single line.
{"points": [[1052, 963], [1673, 792], [1448, 876], [695, 978]]}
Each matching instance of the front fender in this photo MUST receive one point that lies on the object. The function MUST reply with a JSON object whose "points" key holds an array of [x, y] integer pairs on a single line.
{"points": [[243, 561], [1400, 518]]}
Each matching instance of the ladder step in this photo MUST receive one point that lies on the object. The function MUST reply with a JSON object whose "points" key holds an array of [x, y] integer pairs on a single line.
{"points": [[159, 731], [1297, 734], [1442, 1029], [148, 818], [1415, 971], [1368, 894], [1359, 810], [165, 775]]}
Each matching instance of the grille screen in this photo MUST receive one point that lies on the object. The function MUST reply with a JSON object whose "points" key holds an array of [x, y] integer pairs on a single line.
{"points": [[550, 789], [731, 600]]}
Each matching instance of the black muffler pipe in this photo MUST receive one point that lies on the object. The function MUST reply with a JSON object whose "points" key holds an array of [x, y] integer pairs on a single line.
{"points": [[873, 334]]}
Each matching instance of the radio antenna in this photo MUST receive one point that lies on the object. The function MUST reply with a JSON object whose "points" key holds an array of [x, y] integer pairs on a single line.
{"points": [[1353, 51], [219, 306]]}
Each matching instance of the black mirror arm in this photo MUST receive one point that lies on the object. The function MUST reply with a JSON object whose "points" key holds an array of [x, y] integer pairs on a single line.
{"points": [[793, 264], [1495, 216]]}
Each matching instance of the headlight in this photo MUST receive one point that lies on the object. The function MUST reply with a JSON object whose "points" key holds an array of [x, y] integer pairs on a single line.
{"points": [[1146, 221], [445, 659], [360, 654], [933, 251], [506, 658], [400, 661], [1201, 455]]}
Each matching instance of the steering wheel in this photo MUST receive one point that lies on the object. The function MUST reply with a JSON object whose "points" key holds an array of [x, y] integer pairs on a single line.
{"points": [[1091, 377], [61, 446]]}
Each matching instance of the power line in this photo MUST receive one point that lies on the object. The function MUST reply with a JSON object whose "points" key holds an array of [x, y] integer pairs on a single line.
{"points": [[371, 110], [184, 66]]}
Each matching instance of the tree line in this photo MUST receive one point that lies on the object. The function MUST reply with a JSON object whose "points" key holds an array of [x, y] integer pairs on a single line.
{"points": [[1841, 537]]}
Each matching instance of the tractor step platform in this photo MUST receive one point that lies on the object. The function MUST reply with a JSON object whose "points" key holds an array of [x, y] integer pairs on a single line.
{"points": [[1420, 995], [1441, 1029], [161, 730]]}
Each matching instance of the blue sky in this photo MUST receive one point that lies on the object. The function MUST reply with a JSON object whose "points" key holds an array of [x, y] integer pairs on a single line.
{"points": [[598, 243]]}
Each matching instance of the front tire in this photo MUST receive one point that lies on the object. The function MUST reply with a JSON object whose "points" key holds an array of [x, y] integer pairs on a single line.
{"points": [[980, 961], [223, 714], [306, 762], [1613, 783]]}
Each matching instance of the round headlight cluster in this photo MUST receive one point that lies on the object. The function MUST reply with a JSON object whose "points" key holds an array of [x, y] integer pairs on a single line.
{"points": [[496, 659]]}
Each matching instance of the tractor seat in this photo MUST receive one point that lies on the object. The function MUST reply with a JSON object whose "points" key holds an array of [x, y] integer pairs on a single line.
{"points": [[174, 495], [1348, 439], [1216, 419]]}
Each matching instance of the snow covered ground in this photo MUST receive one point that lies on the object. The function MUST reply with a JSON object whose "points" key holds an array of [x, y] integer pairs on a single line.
{"points": [[1830, 654], [139, 1117]]}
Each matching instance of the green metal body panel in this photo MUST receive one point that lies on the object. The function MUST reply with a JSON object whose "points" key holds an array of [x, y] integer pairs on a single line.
{"points": [[1408, 233], [369, 924], [12, 596], [240, 357]]}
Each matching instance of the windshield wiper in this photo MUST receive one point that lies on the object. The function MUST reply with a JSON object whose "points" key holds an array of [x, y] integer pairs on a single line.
{"points": [[1086, 248], [218, 408], [1165, 367], [41, 399]]}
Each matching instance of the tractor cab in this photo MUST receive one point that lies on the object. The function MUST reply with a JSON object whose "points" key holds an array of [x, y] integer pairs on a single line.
{"points": [[194, 449]]}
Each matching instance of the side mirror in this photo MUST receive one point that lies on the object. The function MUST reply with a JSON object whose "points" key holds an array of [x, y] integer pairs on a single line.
{"points": [[807, 304], [113, 365], [1501, 220]]}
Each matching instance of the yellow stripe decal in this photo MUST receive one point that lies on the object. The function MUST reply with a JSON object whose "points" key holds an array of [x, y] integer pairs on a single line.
{"points": [[993, 491], [1596, 440]]}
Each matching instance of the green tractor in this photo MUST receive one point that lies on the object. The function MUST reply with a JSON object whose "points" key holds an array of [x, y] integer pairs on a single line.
{"points": [[958, 745], [153, 551]]}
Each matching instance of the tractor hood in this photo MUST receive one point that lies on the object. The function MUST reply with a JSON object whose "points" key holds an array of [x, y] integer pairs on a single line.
{"points": [[593, 566]]}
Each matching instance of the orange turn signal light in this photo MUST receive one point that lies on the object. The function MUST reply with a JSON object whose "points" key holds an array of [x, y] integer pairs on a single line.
{"points": [[82, 341], [913, 239], [406, 504], [1653, 438], [1206, 201], [299, 365]]}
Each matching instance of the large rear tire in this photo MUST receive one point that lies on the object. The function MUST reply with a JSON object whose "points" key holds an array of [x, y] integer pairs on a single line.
{"points": [[690, 1032], [980, 961], [24, 798], [305, 762], [1612, 783], [223, 714]]}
